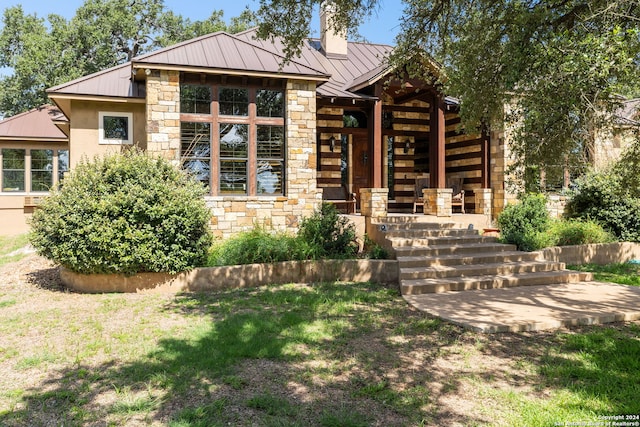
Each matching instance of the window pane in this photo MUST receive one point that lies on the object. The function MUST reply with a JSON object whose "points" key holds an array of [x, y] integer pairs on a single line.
{"points": [[269, 177], [41, 170], [63, 163], [195, 150], [270, 142], [13, 170], [115, 127], [233, 176], [234, 140], [195, 99], [269, 103], [234, 102]]}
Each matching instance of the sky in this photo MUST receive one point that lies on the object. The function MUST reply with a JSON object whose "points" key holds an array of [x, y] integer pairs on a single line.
{"points": [[381, 28]]}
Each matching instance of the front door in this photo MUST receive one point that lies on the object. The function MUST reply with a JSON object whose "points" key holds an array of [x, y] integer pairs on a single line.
{"points": [[361, 162]]}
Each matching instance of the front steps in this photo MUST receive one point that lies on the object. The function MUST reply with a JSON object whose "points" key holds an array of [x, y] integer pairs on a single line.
{"points": [[437, 257]]}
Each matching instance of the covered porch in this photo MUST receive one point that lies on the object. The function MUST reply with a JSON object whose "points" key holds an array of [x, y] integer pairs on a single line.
{"points": [[403, 137]]}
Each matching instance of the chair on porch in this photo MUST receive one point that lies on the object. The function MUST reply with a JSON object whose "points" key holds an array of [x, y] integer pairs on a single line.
{"points": [[457, 197], [418, 199]]}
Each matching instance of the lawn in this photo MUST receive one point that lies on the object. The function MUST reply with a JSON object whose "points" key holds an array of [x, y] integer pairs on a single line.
{"points": [[10, 248], [332, 354], [624, 273]]}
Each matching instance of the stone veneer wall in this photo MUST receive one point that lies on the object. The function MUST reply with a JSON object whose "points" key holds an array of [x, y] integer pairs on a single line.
{"points": [[500, 162], [163, 114], [233, 214]]}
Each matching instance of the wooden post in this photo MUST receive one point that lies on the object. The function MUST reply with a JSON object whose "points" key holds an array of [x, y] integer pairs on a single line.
{"points": [[437, 143], [377, 138]]}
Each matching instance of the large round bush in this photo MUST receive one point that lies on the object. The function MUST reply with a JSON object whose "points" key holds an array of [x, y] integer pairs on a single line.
{"points": [[524, 223], [124, 213]]}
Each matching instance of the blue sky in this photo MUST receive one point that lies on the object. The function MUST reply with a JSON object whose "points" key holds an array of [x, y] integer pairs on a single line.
{"points": [[380, 29]]}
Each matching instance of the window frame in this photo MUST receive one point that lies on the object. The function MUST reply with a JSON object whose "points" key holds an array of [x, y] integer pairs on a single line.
{"points": [[28, 185], [115, 141], [252, 120], [32, 169], [26, 154]]}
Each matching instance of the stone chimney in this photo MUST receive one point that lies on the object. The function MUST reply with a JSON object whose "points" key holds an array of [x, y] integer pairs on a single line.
{"points": [[334, 44]]}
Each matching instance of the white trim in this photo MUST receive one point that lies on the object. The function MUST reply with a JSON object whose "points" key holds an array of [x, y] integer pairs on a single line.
{"points": [[113, 141]]}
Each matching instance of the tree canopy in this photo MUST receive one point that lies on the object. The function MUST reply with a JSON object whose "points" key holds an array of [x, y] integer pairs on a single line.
{"points": [[558, 65], [103, 33]]}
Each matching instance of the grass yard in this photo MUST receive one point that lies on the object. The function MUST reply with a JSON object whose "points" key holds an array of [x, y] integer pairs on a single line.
{"points": [[331, 354], [624, 274], [10, 248]]}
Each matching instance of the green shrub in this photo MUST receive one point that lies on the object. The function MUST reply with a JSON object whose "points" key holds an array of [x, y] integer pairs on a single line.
{"points": [[524, 223], [373, 250], [328, 234], [258, 246], [124, 213], [602, 197], [577, 232]]}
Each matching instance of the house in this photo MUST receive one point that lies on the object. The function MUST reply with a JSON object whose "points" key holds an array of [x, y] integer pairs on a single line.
{"points": [[265, 138]]}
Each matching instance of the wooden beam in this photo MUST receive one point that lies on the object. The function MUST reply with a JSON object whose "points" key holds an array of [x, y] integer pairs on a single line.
{"points": [[377, 138], [485, 152], [437, 143]]}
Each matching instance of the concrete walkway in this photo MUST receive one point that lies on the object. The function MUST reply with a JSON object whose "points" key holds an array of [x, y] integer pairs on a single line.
{"points": [[533, 308]]}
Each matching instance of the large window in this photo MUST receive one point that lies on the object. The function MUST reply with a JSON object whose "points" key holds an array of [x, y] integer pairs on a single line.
{"points": [[41, 170], [195, 150], [240, 151], [13, 169], [234, 156], [115, 128], [31, 170]]}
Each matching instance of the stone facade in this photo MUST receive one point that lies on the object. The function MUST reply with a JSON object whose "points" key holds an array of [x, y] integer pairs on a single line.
{"points": [[483, 201], [437, 201], [556, 204], [163, 114], [373, 202], [233, 214]]}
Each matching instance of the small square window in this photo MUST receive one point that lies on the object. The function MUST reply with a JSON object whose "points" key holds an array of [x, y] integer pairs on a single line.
{"points": [[195, 99], [115, 128]]}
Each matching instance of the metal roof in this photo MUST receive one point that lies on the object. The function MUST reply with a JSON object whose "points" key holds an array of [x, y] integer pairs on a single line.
{"points": [[33, 124], [222, 51], [112, 82], [362, 59]]}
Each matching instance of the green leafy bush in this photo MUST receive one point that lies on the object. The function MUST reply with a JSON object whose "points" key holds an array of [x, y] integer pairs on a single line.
{"points": [[606, 199], [524, 223], [258, 246], [124, 213], [328, 234], [578, 232], [373, 250]]}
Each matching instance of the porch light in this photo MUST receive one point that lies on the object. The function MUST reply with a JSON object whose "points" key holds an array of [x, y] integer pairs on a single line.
{"points": [[407, 145], [332, 143]]}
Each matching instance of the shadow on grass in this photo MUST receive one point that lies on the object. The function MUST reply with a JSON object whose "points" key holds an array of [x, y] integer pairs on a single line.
{"points": [[326, 355], [269, 356]]}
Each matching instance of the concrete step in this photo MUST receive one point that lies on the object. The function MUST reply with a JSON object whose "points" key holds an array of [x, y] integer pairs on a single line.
{"points": [[404, 226], [465, 259], [423, 286], [455, 249], [397, 242], [426, 232], [444, 271]]}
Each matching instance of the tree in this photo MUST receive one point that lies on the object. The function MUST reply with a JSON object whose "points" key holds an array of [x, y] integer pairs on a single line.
{"points": [[103, 33], [559, 65]]}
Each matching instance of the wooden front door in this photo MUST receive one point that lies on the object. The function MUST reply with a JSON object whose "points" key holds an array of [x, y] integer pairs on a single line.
{"points": [[361, 162]]}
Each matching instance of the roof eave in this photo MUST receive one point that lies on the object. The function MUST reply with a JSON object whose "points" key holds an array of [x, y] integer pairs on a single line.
{"points": [[226, 71]]}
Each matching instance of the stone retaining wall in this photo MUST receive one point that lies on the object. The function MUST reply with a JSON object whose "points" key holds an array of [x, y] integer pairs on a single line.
{"points": [[600, 253], [238, 276]]}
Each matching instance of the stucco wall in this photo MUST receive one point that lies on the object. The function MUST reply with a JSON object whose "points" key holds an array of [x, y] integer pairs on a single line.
{"points": [[14, 215], [84, 135]]}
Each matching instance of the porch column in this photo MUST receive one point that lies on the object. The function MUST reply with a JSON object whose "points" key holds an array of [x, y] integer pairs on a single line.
{"points": [[483, 201], [373, 202], [437, 142], [485, 158], [377, 138]]}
